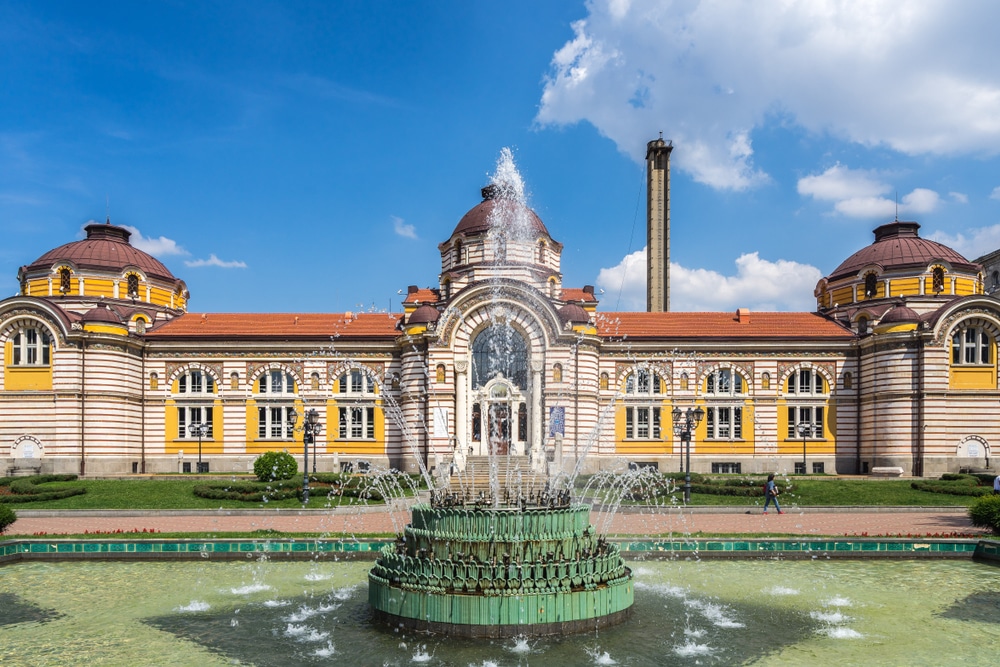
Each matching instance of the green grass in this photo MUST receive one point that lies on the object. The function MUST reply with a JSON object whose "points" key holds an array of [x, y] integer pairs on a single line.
{"points": [[176, 493], [164, 494]]}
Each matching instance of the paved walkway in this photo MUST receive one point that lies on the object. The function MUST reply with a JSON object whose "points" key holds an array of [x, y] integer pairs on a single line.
{"points": [[837, 522]]}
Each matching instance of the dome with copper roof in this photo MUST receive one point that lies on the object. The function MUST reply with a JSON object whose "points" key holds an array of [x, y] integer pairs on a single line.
{"points": [[424, 315], [897, 247], [101, 314], [901, 314], [106, 248], [572, 312], [477, 220]]}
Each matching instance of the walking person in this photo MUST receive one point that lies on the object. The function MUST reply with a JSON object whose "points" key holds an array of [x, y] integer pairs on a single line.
{"points": [[771, 494], [996, 486]]}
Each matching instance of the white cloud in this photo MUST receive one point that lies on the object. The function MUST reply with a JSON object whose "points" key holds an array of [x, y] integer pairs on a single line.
{"points": [[973, 243], [403, 229], [959, 197], [158, 247], [215, 261], [758, 284], [996, 193], [917, 77], [856, 193]]}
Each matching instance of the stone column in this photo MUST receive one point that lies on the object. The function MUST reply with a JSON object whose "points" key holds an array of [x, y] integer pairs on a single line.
{"points": [[536, 440], [461, 412]]}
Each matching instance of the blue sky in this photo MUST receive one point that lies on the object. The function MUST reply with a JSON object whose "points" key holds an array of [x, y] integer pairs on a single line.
{"points": [[310, 156]]}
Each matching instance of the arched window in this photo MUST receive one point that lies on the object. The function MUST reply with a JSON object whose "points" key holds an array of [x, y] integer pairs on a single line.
{"points": [[604, 381], [356, 412], [642, 381], [725, 382], [848, 381], [994, 280], [154, 382], [862, 326], [446, 289], [871, 285], [971, 346], [314, 381], [133, 286], [276, 381], [195, 382], [557, 373], [500, 350], [31, 347], [195, 419], [440, 374], [684, 381], [541, 252], [457, 252], [357, 381], [234, 380], [765, 380], [806, 381], [938, 279], [64, 280]]}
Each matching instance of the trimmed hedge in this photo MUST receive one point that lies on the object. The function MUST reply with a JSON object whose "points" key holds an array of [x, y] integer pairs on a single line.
{"points": [[328, 484], [29, 489], [985, 513], [954, 484], [7, 517]]}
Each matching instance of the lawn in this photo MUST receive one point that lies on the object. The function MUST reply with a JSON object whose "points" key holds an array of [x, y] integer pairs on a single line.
{"points": [[176, 493]]}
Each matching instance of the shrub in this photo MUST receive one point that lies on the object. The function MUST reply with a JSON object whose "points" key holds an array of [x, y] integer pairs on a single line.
{"points": [[251, 492], [985, 513], [29, 489], [954, 485], [271, 466], [7, 517]]}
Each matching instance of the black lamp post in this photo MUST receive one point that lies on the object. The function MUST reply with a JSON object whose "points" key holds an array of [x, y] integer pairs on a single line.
{"points": [[804, 429], [685, 421], [310, 429], [202, 430]]}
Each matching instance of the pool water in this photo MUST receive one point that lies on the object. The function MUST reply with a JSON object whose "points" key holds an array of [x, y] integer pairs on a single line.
{"points": [[761, 612]]}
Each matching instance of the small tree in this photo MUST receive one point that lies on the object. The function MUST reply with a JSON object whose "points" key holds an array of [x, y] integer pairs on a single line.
{"points": [[272, 466], [7, 517], [985, 513]]}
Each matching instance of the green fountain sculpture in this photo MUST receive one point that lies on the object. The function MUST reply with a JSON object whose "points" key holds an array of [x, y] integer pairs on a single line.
{"points": [[476, 568]]}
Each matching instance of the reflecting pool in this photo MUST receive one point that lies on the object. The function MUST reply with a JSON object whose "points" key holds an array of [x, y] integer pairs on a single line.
{"points": [[819, 612]]}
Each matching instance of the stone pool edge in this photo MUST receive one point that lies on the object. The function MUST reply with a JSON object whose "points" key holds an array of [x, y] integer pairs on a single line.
{"points": [[20, 550]]}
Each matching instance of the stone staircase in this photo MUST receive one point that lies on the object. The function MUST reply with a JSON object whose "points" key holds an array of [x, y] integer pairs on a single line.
{"points": [[513, 473]]}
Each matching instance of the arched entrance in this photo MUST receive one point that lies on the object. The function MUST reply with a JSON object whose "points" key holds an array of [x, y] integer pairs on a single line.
{"points": [[500, 412]]}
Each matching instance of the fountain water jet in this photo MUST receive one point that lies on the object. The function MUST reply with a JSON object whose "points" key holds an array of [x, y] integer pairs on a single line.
{"points": [[519, 557]]}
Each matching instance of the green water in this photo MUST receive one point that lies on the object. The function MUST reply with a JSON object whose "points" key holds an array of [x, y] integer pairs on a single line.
{"points": [[718, 613]]}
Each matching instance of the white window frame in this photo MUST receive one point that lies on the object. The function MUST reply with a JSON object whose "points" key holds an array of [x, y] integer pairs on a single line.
{"points": [[724, 422], [809, 414], [357, 382], [276, 381], [806, 381], [272, 422], [643, 382], [196, 381], [643, 422], [971, 346], [725, 382], [356, 422], [30, 345], [189, 416]]}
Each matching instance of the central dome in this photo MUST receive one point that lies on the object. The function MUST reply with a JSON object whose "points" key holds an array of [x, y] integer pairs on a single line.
{"points": [[897, 246], [477, 220], [106, 249]]}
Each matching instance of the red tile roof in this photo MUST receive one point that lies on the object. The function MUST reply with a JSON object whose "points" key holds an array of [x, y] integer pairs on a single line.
{"points": [[746, 325], [279, 325], [575, 295], [423, 295]]}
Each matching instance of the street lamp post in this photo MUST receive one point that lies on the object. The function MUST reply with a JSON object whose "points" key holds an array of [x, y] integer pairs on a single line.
{"points": [[202, 430], [685, 421], [804, 429], [310, 429]]}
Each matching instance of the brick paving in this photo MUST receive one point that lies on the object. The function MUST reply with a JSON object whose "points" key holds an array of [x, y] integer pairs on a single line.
{"points": [[943, 522]]}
